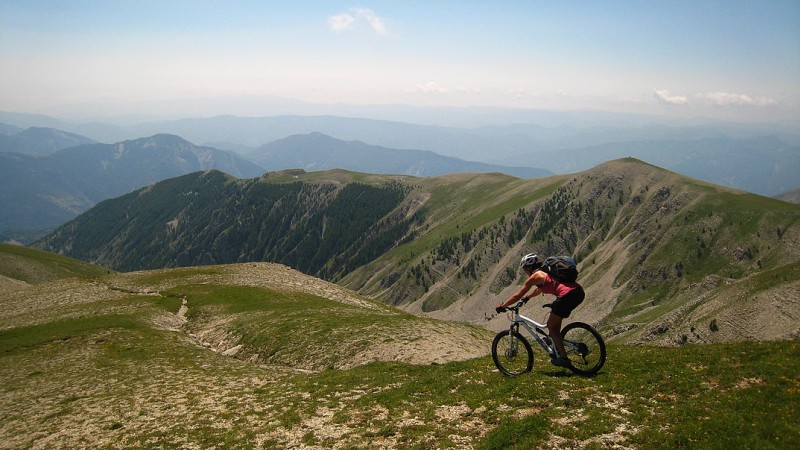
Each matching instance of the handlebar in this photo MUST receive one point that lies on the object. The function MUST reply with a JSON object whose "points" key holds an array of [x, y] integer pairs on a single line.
{"points": [[515, 308]]}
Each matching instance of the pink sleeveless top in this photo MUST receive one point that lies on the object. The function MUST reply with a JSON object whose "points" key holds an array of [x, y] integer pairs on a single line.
{"points": [[553, 287]]}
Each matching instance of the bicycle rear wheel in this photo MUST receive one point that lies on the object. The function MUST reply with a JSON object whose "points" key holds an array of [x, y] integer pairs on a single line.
{"points": [[512, 354], [585, 348]]}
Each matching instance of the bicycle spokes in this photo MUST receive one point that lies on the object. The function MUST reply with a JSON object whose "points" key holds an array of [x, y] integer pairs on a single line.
{"points": [[578, 349], [512, 354], [587, 345]]}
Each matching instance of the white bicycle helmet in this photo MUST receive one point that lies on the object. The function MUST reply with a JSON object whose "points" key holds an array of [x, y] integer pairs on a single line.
{"points": [[531, 259]]}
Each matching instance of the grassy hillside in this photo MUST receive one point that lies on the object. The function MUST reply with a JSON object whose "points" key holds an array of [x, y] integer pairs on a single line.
{"points": [[32, 266], [261, 356], [665, 259], [654, 249]]}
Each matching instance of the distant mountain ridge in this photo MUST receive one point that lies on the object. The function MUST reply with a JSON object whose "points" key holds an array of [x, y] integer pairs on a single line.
{"points": [[714, 152], [528, 138], [763, 165], [791, 196], [316, 151], [38, 141], [43, 192]]}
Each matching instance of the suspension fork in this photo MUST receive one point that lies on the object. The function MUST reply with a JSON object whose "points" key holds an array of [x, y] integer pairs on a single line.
{"points": [[513, 343]]}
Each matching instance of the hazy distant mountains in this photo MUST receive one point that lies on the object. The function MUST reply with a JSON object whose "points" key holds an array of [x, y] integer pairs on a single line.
{"points": [[763, 165], [316, 151], [42, 192], [38, 141], [758, 158]]}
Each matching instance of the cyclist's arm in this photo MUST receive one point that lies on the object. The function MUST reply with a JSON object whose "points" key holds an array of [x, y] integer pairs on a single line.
{"points": [[535, 279]]}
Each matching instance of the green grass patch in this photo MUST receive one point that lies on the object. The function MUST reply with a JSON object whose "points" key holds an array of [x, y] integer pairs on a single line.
{"points": [[710, 396], [291, 328], [21, 339], [36, 266], [157, 391], [524, 433]]}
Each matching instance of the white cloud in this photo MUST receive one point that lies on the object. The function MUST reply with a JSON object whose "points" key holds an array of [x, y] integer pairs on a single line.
{"points": [[347, 21], [374, 21], [341, 22], [720, 99], [729, 99], [663, 97], [431, 87]]}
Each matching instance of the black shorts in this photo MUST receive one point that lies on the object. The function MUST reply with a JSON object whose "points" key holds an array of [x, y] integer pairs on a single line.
{"points": [[563, 306]]}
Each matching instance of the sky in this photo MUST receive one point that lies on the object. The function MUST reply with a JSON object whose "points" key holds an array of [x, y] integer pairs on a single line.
{"points": [[731, 60]]}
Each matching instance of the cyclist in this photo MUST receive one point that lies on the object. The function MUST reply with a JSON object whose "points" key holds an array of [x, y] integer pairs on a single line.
{"points": [[568, 297]]}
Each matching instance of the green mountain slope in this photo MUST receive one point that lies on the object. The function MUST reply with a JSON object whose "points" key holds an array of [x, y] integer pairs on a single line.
{"points": [[656, 252], [664, 258], [321, 227], [22, 266], [240, 356]]}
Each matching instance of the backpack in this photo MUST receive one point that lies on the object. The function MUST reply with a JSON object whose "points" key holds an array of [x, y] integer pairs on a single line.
{"points": [[562, 268]]}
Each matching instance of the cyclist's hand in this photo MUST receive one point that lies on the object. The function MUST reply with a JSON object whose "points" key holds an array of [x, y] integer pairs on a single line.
{"points": [[501, 309]]}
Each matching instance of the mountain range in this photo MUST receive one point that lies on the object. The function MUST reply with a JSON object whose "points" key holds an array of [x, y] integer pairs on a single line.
{"points": [[42, 192], [57, 180], [720, 152], [38, 141], [764, 165], [316, 151], [665, 258]]}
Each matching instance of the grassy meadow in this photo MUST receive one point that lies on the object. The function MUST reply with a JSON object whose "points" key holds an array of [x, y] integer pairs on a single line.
{"points": [[262, 356], [109, 374], [126, 386]]}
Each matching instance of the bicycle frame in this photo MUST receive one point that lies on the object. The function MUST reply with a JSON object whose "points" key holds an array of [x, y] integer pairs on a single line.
{"points": [[533, 327]]}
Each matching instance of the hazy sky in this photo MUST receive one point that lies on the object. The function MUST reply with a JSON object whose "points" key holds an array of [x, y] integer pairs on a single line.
{"points": [[727, 59]]}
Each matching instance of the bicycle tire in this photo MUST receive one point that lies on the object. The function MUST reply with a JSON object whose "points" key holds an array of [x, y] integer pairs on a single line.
{"points": [[586, 349], [509, 357]]}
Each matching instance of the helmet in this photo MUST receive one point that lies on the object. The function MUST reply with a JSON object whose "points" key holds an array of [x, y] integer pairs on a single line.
{"points": [[531, 260]]}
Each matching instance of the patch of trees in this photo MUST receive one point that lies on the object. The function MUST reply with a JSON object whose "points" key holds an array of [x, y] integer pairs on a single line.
{"points": [[322, 229]]}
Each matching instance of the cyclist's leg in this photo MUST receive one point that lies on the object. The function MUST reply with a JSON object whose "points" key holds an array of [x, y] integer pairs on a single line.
{"points": [[554, 327], [562, 308]]}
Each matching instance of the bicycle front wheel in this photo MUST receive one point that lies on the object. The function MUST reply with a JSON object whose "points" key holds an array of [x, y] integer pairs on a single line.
{"points": [[585, 348], [512, 354]]}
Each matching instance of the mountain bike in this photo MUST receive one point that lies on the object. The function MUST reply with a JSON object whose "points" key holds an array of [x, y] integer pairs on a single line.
{"points": [[513, 355]]}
